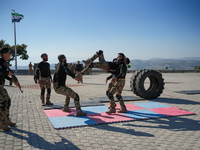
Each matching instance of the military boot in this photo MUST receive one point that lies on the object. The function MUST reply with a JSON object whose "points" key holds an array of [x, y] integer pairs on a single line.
{"points": [[79, 112], [42, 102], [9, 122], [86, 62], [122, 106], [4, 126], [48, 102], [66, 106], [112, 106], [95, 56]]}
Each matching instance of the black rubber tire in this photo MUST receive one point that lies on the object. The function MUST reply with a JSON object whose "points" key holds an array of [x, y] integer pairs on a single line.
{"points": [[156, 84], [132, 81]]}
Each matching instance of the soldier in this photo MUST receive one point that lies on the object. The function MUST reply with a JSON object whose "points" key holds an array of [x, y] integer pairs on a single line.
{"points": [[117, 84], [5, 100], [59, 80], [30, 68], [45, 79], [35, 72], [78, 69], [102, 64]]}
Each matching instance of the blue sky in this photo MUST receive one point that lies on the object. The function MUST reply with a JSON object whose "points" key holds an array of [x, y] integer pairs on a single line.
{"points": [[141, 29]]}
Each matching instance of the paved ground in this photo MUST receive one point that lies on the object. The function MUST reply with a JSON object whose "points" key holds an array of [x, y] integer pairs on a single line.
{"points": [[33, 131]]}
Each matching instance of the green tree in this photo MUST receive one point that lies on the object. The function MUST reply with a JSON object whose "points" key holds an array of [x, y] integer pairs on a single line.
{"points": [[21, 51], [166, 68], [196, 67]]}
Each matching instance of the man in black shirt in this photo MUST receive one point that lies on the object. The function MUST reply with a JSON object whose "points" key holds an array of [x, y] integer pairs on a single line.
{"points": [[59, 80], [44, 79], [117, 84], [5, 100]]}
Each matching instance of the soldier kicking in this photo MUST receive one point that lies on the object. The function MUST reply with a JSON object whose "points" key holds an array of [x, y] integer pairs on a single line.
{"points": [[5, 100], [102, 64], [59, 80]]}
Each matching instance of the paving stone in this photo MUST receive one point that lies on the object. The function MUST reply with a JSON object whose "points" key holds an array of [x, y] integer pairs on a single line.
{"points": [[33, 131]]}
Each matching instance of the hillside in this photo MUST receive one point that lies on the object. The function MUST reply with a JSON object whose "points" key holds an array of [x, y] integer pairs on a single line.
{"points": [[160, 64]]}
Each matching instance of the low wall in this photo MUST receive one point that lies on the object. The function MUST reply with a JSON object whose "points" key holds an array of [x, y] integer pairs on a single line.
{"points": [[25, 72]]}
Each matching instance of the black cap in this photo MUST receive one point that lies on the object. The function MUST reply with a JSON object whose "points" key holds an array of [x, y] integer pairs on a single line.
{"points": [[44, 54], [4, 50], [60, 57], [121, 55]]}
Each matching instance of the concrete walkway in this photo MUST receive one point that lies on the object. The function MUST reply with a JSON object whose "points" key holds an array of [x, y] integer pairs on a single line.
{"points": [[33, 130]]}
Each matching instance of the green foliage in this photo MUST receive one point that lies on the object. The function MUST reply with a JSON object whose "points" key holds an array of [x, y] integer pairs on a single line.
{"points": [[166, 68], [128, 66], [21, 51]]}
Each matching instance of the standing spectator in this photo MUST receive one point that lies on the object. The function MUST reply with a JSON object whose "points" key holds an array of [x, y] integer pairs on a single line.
{"points": [[45, 79], [78, 69], [30, 68]]}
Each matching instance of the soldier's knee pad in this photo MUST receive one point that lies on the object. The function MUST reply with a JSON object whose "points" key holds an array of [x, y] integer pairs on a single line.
{"points": [[8, 104], [107, 92], [49, 91], [42, 91], [110, 95], [118, 96], [76, 98]]}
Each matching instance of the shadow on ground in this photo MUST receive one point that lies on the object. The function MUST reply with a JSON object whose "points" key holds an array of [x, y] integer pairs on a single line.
{"points": [[39, 142], [176, 101], [173, 123]]}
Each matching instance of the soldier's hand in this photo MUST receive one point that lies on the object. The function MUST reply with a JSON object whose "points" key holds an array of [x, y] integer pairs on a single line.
{"points": [[76, 79], [114, 79], [39, 81], [51, 80], [106, 80], [16, 83], [10, 74]]}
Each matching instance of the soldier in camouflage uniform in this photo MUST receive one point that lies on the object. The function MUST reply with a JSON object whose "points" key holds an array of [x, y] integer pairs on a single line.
{"points": [[45, 79], [102, 64], [5, 100], [59, 80], [117, 84]]}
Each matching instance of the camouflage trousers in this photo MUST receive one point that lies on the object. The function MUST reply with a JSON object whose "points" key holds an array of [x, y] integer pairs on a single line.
{"points": [[45, 83], [69, 93], [81, 77], [116, 88], [5, 103], [102, 64]]}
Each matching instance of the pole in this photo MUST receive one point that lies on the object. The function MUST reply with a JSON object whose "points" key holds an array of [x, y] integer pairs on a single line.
{"points": [[15, 49], [15, 46]]}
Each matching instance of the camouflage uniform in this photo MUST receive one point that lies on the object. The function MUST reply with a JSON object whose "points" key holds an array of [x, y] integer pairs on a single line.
{"points": [[102, 64], [59, 79], [44, 76], [5, 100], [116, 88], [69, 93], [45, 83], [5, 103]]}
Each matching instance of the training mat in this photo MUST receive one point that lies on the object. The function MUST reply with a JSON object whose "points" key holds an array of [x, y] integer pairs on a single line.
{"points": [[71, 104], [105, 99], [96, 114], [189, 92]]}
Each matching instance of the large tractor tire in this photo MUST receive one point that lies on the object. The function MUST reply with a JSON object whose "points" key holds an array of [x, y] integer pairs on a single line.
{"points": [[156, 84]]}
